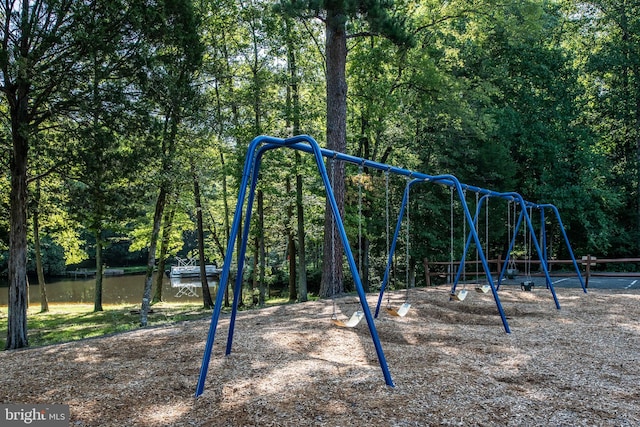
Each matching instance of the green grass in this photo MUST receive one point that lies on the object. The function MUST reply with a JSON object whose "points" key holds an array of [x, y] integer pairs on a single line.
{"points": [[133, 270], [71, 322]]}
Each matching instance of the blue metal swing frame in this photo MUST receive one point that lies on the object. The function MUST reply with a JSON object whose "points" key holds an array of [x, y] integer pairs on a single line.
{"points": [[452, 181], [256, 150], [541, 246], [258, 147]]}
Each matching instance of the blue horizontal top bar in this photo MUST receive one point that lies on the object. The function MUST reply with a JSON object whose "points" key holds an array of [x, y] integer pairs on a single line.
{"points": [[300, 142]]}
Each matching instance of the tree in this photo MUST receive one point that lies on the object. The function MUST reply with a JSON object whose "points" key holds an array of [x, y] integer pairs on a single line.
{"points": [[168, 81], [38, 54], [206, 295], [37, 206], [606, 40], [220, 36], [110, 125], [537, 120], [167, 228], [44, 302], [297, 290], [335, 16]]}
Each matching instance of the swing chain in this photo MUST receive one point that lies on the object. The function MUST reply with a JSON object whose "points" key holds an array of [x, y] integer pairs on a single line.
{"points": [[334, 286], [476, 229], [464, 236], [360, 251], [451, 248], [386, 192], [530, 245], [408, 245], [486, 232], [511, 224]]}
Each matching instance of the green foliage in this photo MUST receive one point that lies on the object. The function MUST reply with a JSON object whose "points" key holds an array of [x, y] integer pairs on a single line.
{"points": [[141, 232], [53, 258], [536, 97], [606, 44], [379, 15], [66, 234]]}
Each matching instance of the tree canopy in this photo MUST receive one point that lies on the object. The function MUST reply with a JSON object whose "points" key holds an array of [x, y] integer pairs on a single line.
{"points": [[112, 110]]}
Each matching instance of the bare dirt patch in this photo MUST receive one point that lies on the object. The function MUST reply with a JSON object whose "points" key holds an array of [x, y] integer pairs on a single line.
{"points": [[452, 364]]}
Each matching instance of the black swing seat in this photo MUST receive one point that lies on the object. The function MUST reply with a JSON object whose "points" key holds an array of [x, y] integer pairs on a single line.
{"points": [[527, 285]]}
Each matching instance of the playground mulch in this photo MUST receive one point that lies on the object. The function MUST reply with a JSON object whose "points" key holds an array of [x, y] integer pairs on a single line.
{"points": [[452, 364]]}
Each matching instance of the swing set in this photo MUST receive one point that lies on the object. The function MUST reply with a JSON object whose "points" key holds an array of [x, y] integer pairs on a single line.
{"points": [[530, 241], [357, 316], [404, 308], [461, 294], [246, 195]]}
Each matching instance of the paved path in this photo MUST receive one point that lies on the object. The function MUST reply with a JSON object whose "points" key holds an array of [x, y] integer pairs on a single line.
{"points": [[595, 282]]}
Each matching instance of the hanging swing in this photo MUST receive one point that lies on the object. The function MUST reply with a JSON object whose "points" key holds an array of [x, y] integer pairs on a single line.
{"points": [[352, 322], [358, 315], [512, 269], [404, 308], [461, 294], [527, 284], [483, 288], [400, 312]]}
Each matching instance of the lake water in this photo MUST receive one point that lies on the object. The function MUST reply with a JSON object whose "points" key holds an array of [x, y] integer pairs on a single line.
{"points": [[115, 290]]}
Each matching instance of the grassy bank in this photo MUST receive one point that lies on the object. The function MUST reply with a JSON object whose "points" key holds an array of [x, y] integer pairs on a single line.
{"points": [[71, 322]]}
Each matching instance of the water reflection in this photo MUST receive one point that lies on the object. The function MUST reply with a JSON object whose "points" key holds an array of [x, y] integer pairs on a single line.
{"points": [[115, 290]]}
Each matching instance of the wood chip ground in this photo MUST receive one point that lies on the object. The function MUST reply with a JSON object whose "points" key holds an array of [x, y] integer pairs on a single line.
{"points": [[452, 364]]}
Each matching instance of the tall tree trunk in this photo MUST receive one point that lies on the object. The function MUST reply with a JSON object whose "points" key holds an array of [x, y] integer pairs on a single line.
{"points": [[151, 261], [261, 250], [96, 111], [291, 251], [18, 101], [170, 132], [97, 299], [167, 226], [336, 58], [227, 302], [256, 274], [17, 322], [302, 260], [44, 303], [294, 93], [222, 132], [206, 295], [227, 231], [291, 247]]}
